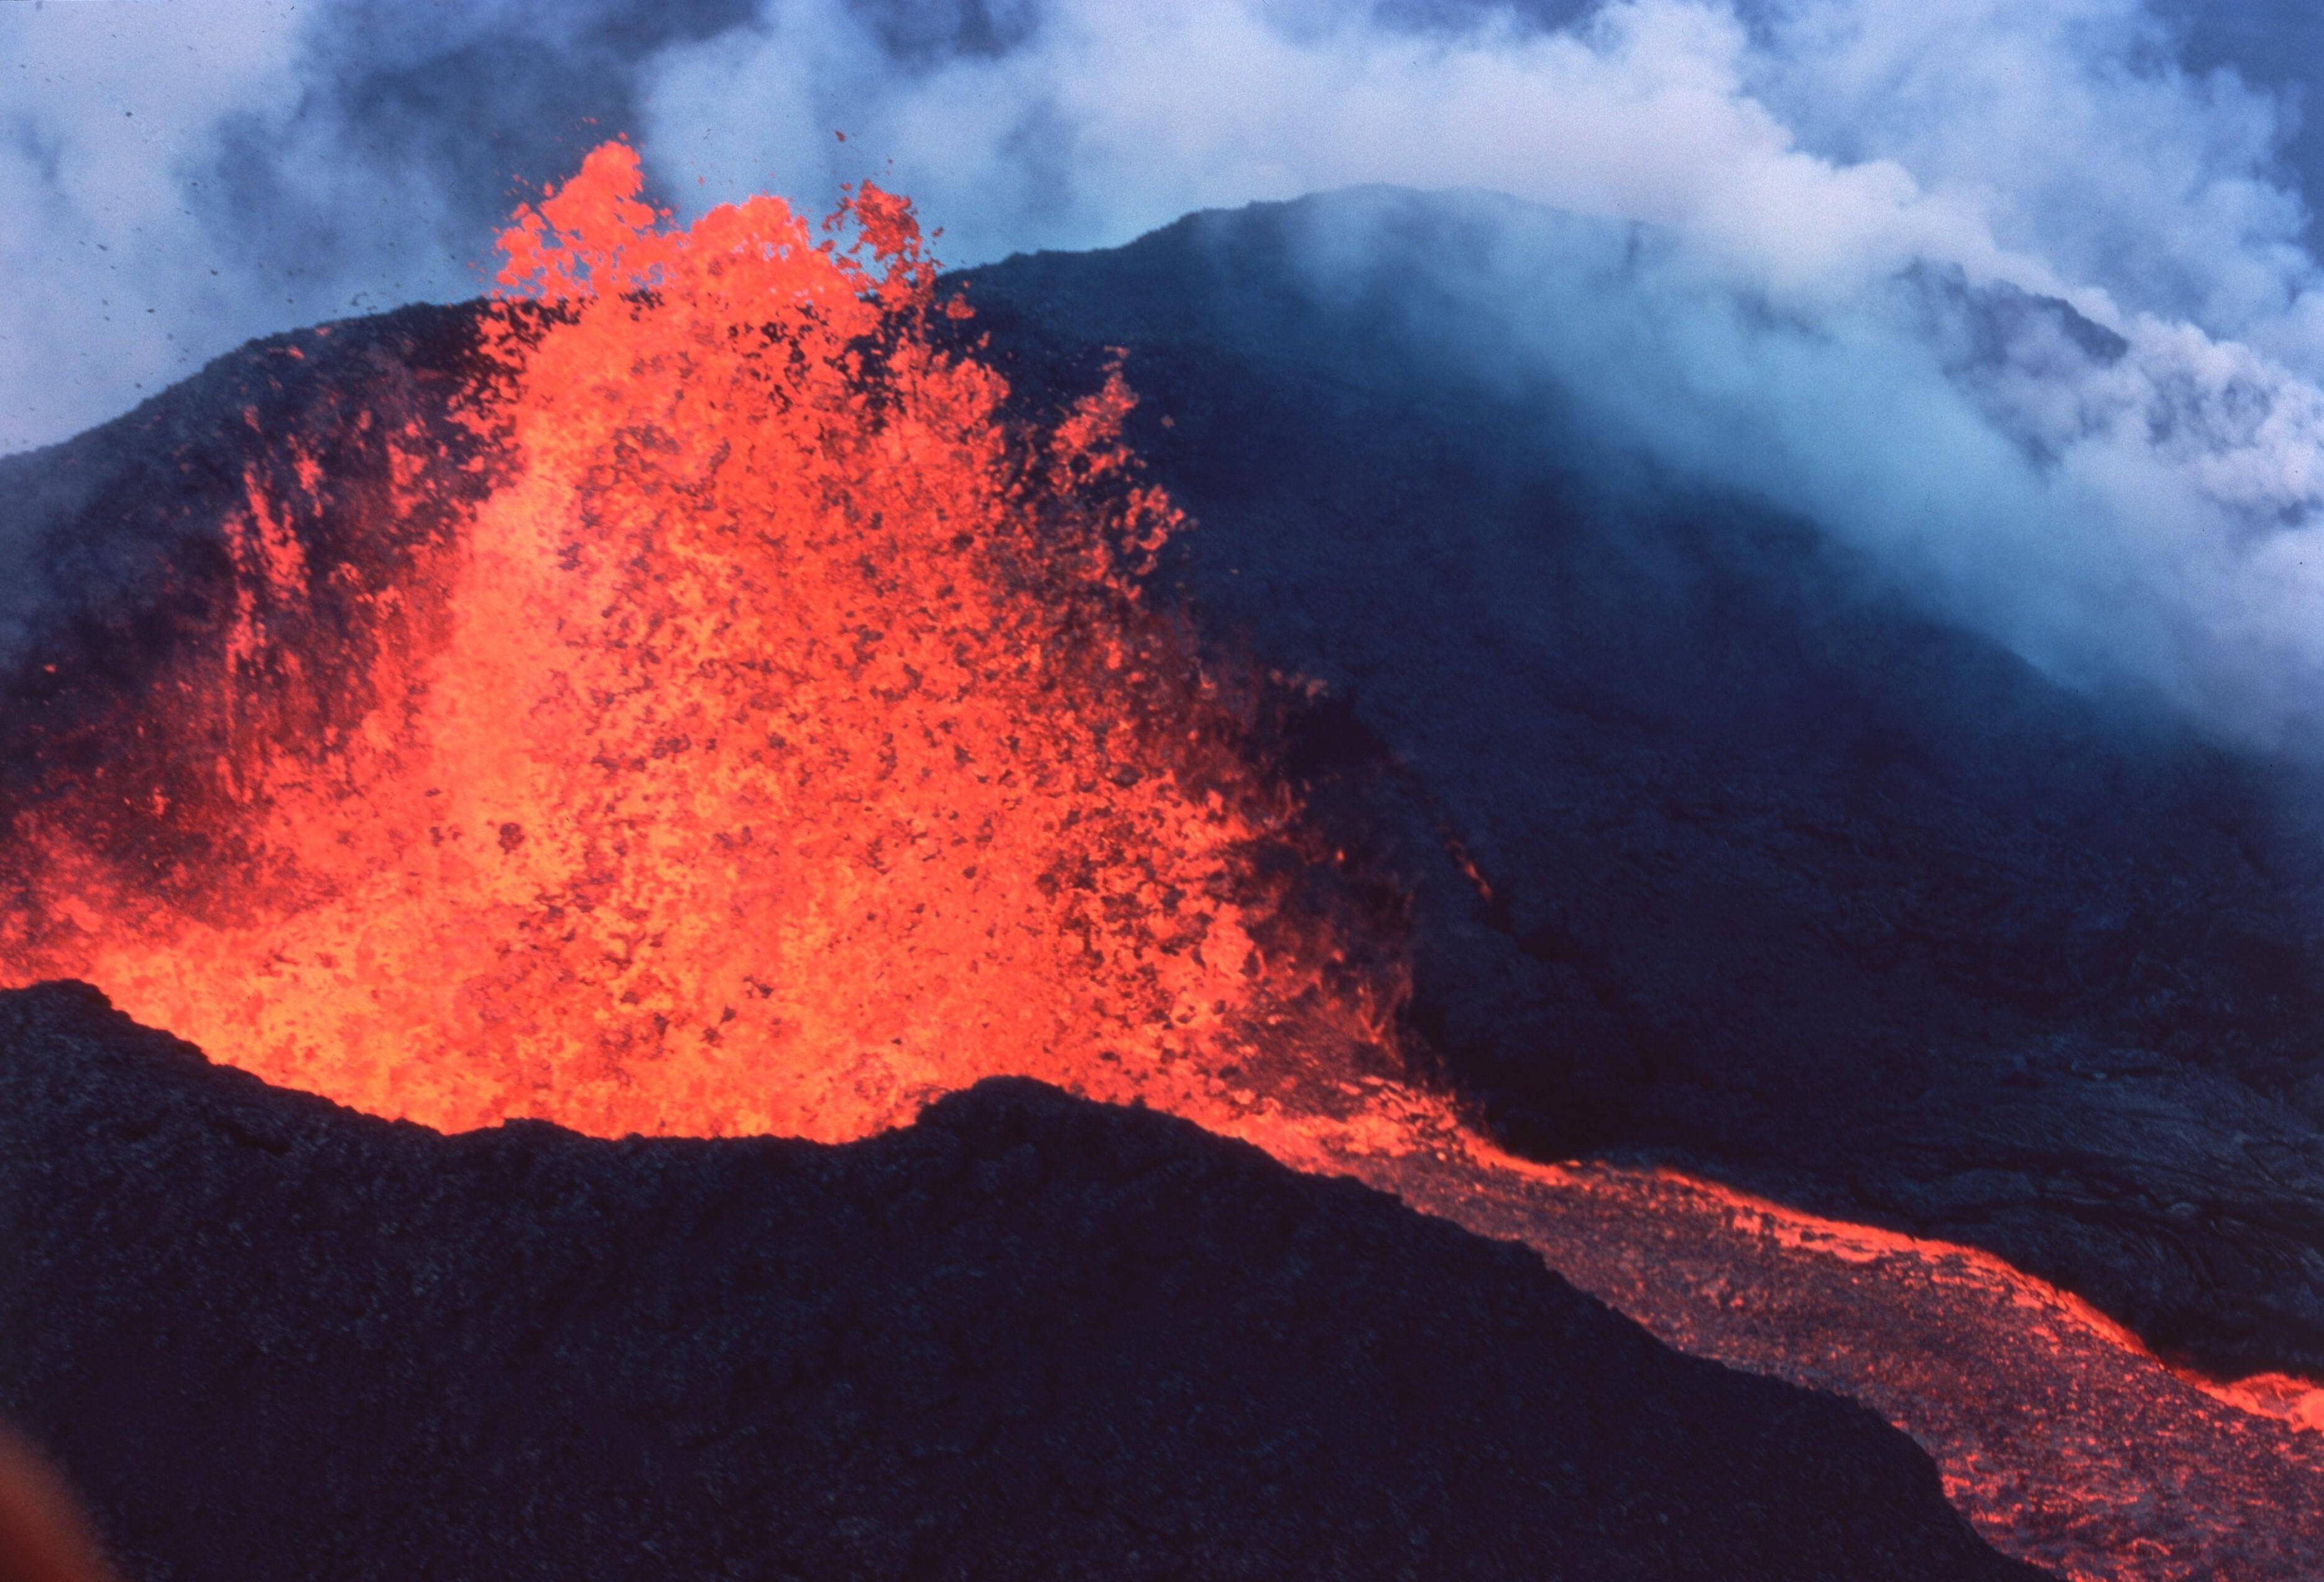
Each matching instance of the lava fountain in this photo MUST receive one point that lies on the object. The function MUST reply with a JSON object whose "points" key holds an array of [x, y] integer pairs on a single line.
{"points": [[780, 736], [782, 742]]}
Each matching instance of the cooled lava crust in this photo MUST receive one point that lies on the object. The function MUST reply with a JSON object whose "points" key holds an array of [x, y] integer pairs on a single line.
{"points": [[1027, 1336]]}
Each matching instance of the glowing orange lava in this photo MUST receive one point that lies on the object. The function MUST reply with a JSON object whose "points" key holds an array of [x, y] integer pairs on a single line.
{"points": [[783, 739], [2061, 1438]]}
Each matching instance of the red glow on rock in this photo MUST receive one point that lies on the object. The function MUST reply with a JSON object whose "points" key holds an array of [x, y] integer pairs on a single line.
{"points": [[43, 1537]]}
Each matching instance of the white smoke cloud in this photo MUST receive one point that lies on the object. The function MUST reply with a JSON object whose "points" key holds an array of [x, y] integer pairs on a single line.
{"points": [[1113, 119], [1852, 207], [109, 277], [2132, 506], [179, 179]]}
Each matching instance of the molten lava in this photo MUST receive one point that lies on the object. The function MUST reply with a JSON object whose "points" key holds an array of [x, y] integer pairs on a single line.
{"points": [[783, 742], [781, 737]]}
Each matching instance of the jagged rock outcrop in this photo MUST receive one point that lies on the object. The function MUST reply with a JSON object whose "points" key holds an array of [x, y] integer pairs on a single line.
{"points": [[1028, 1337]]}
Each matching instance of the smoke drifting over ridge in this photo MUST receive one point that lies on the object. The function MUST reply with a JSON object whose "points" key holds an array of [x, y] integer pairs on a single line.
{"points": [[2006, 293]]}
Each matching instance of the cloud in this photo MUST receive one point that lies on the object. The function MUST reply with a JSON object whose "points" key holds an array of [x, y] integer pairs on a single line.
{"points": [[2132, 505], [2001, 289], [181, 179], [108, 273]]}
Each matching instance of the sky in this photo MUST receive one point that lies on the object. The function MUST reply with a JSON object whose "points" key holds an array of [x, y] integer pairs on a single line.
{"points": [[1813, 249]]}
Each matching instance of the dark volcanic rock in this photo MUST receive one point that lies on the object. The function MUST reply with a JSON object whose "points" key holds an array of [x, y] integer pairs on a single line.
{"points": [[1789, 881], [1028, 1337], [126, 552], [111, 540]]}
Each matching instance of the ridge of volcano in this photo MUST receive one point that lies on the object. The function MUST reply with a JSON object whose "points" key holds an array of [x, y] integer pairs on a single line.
{"points": [[1026, 1335], [1723, 850], [1720, 850]]}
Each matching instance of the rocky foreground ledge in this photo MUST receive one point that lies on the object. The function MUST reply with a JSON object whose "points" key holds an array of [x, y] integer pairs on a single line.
{"points": [[1028, 1337]]}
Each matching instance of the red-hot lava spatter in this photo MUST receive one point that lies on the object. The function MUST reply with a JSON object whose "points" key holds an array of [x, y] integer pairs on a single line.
{"points": [[787, 740], [783, 739]]}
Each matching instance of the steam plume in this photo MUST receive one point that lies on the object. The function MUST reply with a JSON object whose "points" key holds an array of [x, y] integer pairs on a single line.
{"points": [[2018, 296]]}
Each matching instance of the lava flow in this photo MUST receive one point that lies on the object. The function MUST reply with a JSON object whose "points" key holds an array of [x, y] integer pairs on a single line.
{"points": [[782, 738]]}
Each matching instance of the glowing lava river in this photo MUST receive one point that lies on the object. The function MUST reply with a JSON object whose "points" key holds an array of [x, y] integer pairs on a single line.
{"points": [[783, 739]]}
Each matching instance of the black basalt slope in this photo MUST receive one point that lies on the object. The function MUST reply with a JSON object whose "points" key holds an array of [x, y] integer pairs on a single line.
{"points": [[1722, 848], [1028, 1337]]}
